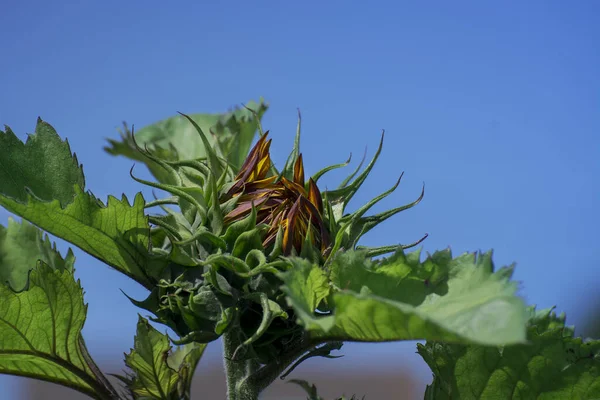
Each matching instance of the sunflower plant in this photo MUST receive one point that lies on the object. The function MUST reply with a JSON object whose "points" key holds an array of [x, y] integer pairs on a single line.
{"points": [[234, 248]]}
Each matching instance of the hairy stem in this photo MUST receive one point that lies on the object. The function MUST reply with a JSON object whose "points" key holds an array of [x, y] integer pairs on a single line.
{"points": [[246, 379], [237, 369], [263, 377], [110, 390]]}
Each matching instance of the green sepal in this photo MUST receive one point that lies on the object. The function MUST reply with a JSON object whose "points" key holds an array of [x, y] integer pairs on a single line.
{"points": [[248, 241], [227, 317], [340, 198], [229, 205], [371, 252], [235, 229], [363, 225], [288, 169], [213, 160], [323, 171], [346, 180], [181, 256], [278, 245], [270, 311], [195, 207], [255, 258], [163, 314], [170, 175], [184, 194], [308, 251], [218, 281], [227, 261], [215, 207], [354, 230], [204, 237], [195, 311], [189, 311]]}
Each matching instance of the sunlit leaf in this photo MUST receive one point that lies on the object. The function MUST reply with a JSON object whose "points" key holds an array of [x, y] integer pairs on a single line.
{"points": [[306, 286], [552, 365], [184, 360], [175, 138], [458, 300], [40, 333], [43, 164], [116, 233], [158, 373]]}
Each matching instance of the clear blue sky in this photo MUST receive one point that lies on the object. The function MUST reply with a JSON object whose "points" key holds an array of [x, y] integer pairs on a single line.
{"points": [[495, 106]]}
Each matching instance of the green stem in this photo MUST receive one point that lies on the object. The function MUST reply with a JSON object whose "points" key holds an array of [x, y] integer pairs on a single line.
{"points": [[109, 389], [265, 375], [237, 369], [246, 379]]}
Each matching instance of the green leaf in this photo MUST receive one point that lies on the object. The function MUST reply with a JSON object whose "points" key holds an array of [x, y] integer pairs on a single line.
{"points": [[359, 226], [311, 390], [321, 351], [457, 300], [41, 333], [184, 360], [21, 246], [43, 164], [306, 285], [158, 373], [270, 309], [176, 139], [116, 233], [154, 378], [553, 365]]}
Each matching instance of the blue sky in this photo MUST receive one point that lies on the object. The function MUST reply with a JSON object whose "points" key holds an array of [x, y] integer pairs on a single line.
{"points": [[495, 106]]}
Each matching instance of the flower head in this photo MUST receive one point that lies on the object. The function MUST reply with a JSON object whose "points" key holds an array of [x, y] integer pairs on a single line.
{"points": [[290, 206], [232, 229]]}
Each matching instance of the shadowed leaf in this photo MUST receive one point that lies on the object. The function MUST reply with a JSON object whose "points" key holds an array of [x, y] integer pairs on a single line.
{"points": [[21, 246], [174, 138]]}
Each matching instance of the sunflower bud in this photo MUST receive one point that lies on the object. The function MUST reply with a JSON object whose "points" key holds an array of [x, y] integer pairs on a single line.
{"points": [[283, 205], [218, 259]]}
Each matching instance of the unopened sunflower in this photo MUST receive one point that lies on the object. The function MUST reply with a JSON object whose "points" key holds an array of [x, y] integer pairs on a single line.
{"points": [[236, 231], [291, 206]]}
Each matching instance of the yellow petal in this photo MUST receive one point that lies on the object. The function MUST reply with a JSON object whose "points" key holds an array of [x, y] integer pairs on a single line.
{"points": [[299, 171]]}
